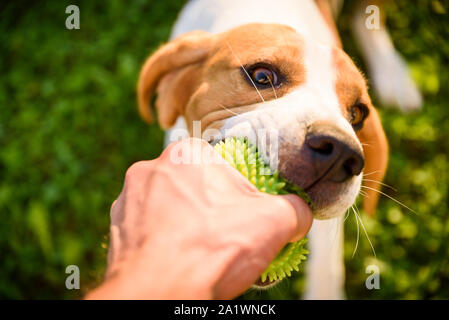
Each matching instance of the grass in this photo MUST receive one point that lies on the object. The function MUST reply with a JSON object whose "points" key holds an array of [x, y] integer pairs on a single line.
{"points": [[69, 129]]}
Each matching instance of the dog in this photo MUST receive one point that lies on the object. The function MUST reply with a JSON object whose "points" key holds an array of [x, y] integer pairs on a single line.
{"points": [[240, 68]]}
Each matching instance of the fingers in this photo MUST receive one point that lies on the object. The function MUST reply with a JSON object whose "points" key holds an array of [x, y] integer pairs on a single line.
{"points": [[304, 216], [275, 220], [114, 248], [192, 178], [297, 214]]}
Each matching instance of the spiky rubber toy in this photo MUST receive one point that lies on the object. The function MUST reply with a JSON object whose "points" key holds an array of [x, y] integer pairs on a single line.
{"points": [[247, 161]]}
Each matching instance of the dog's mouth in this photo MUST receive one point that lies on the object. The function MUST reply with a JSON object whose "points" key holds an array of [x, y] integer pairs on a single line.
{"points": [[326, 194], [290, 187], [323, 197]]}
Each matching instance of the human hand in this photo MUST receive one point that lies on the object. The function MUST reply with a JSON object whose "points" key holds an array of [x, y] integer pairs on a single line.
{"points": [[194, 230]]}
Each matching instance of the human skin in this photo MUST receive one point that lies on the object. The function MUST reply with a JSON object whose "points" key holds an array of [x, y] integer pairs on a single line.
{"points": [[196, 230]]}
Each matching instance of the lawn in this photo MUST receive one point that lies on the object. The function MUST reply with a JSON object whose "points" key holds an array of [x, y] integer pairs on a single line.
{"points": [[69, 129]]}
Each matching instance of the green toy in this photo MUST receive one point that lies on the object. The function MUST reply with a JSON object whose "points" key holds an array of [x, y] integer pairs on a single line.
{"points": [[247, 161]]}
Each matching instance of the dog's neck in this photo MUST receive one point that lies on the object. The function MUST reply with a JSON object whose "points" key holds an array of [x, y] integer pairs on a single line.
{"points": [[221, 15]]}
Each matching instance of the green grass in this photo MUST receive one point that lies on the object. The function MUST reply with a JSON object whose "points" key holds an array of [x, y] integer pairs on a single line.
{"points": [[69, 129]]}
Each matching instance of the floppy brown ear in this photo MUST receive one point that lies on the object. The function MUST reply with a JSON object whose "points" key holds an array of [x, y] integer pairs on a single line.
{"points": [[375, 147], [170, 61]]}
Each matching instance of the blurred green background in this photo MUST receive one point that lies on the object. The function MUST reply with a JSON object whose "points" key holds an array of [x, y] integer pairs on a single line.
{"points": [[69, 129]]}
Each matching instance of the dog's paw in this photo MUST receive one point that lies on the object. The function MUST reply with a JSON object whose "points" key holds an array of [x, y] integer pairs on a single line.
{"points": [[393, 84]]}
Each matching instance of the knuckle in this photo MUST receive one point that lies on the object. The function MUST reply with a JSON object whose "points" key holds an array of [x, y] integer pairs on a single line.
{"points": [[284, 205], [135, 169], [113, 205]]}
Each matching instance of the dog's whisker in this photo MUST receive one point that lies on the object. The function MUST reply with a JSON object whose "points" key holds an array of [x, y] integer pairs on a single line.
{"points": [[390, 197], [366, 233], [363, 193], [367, 174], [358, 231], [384, 184], [274, 90], [365, 144], [227, 109], [246, 72], [347, 215]]}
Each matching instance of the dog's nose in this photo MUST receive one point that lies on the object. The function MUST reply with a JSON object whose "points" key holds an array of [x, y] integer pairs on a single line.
{"points": [[333, 158]]}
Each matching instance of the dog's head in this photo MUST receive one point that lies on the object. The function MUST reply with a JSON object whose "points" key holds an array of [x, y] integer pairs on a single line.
{"points": [[267, 76]]}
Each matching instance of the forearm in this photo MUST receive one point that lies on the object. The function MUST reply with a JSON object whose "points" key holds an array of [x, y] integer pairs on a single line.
{"points": [[192, 276]]}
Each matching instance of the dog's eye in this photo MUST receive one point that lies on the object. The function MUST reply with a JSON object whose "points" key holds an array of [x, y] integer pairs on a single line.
{"points": [[357, 114], [263, 76]]}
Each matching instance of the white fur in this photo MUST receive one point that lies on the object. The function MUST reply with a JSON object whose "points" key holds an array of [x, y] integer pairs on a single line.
{"points": [[325, 267], [221, 15]]}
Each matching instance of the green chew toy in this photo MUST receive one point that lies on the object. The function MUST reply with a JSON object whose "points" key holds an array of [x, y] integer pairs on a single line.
{"points": [[247, 161]]}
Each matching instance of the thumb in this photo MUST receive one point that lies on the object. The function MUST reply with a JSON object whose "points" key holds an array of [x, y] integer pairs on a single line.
{"points": [[304, 217]]}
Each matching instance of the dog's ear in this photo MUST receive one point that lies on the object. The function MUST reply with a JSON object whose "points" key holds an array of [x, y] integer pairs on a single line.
{"points": [[169, 70], [375, 147]]}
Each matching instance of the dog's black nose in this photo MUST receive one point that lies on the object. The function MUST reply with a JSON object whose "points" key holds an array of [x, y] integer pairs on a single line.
{"points": [[333, 158]]}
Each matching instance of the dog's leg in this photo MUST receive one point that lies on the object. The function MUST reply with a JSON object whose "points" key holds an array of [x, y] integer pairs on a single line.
{"points": [[325, 266], [387, 68]]}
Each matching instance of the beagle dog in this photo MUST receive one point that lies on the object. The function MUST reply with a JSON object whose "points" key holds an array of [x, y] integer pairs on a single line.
{"points": [[250, 68]]}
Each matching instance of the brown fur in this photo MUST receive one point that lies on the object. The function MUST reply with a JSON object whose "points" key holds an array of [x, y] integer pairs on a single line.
{"points": [[216, 80], [351, 88]]}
